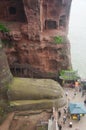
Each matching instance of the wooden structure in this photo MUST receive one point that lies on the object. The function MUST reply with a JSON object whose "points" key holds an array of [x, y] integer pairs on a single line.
{"points": [[68, 76]]}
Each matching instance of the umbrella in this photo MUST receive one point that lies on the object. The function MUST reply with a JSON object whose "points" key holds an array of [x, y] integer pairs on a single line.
{"points": [[77, 108]]}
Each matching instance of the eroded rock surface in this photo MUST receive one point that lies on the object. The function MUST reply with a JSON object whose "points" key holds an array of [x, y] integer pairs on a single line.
{"points": [[33, 24], [5, 75]]}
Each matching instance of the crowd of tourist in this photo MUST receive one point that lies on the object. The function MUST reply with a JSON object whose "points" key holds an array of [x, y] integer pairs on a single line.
{"points": [[64, 113]]}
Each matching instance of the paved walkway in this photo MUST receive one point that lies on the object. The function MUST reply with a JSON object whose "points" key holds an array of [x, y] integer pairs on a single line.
{"points": [[81, 125]]}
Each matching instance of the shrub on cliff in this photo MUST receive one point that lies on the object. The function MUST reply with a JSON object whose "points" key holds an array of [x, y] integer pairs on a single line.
{"points": [[58, 39], [3, 28]]}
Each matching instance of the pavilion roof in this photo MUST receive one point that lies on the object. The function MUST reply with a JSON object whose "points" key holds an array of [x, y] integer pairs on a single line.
{"points": [[69, 75]]}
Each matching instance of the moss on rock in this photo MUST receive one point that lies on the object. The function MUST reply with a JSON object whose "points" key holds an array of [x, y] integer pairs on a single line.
{"points": [[37, 92]]}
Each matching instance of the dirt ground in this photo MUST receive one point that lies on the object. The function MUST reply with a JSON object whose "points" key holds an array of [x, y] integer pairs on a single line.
{"points": [[29, 121], [25, 121]]}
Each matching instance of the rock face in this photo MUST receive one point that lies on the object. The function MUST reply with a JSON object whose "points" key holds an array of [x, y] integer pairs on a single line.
{"points": [[33, 25], [5, 74]]}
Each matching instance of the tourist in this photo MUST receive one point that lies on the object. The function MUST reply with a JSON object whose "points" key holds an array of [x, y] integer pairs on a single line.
{"points": [[80, 88], [70, 124], [59, 114], [83, 93], [60, 126], [85, 101], [78, 117], [74, 93], [76, 85], [65, 110], [72, 85], [64, 119]]}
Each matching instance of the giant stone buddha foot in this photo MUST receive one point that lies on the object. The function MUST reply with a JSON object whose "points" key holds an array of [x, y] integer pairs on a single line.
{"points": [[28, 93]]}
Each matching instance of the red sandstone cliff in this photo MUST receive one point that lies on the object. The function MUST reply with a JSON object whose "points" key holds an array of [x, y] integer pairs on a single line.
{"points": [[33, 24]]}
